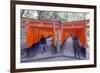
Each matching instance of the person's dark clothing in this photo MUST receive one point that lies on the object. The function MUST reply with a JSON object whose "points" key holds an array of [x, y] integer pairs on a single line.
{"points": [[76, 48], [42, 44], [42, 40], [83, 51]]}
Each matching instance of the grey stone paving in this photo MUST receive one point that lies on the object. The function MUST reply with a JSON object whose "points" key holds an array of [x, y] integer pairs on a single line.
{"points": [[66, 55]]}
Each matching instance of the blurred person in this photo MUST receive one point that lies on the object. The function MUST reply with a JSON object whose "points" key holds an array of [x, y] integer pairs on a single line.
{"points": [[42, 44]]}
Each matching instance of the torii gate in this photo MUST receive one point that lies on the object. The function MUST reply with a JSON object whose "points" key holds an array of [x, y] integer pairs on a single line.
{"points": [[36, 28]]}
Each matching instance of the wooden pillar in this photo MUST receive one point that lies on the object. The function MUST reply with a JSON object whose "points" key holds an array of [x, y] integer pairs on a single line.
{"points": [[29, 36], [54, 37], [35, 35], [84, 35]]}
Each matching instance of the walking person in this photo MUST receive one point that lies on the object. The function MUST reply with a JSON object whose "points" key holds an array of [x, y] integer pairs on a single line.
{"points": [[42, 44], [76, 47]]}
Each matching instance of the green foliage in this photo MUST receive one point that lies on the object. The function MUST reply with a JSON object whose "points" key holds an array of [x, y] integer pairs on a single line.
{"points": [[53, 15]]}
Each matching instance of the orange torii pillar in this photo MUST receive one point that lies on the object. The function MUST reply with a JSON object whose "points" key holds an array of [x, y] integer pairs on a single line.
{"points": [[85, 41], [29, 35], [54, 38], [81, 35]]}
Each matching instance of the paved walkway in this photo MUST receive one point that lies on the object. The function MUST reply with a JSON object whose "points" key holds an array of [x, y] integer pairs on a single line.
{"points": [[67, 54]]}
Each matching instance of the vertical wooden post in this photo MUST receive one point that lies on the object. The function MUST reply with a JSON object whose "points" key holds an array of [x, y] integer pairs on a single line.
{"points": [[54, 30], [29, 36], [84, 35]]}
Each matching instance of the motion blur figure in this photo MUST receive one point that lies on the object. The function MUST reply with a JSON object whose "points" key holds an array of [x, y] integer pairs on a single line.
{"points": [[76, 47], [42, 44]]}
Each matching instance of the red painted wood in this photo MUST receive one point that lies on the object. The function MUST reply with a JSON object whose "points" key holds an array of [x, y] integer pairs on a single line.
{"points": [[36, 28]]}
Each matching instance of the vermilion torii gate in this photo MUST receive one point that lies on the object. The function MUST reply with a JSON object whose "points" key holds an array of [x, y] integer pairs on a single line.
{"points": [[35, 28]]}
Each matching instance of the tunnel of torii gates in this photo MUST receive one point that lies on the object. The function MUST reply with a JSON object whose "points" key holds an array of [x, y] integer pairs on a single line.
{"points": [[35, 28]]}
